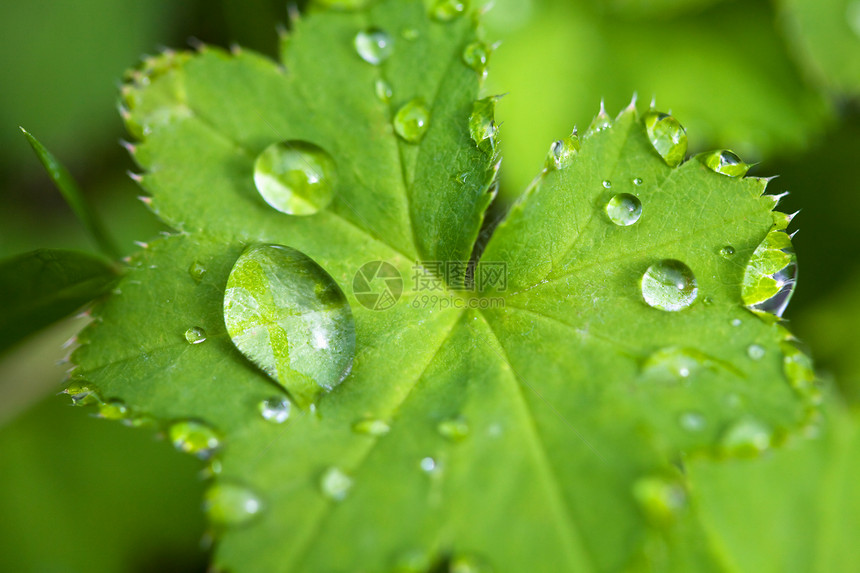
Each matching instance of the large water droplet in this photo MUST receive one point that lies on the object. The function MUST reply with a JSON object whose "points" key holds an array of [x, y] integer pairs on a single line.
{"points": [[113, 410], [195, 335], [660, 498], [288, 316], [335, 484], [455, 429], [477, 56], [746, 438], [770, 276], [230, 504], [374, 45], [624, 209], [562, 152], [412, 120], [371, 427], [193, 437], [275, 410], [295, 177], [726, 162], [447, 10], [668, 137], [669, 285]]}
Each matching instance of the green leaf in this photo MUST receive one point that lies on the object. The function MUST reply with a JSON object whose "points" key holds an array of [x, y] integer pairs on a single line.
{"points": [[72, 194], [501, 425], [43, 286], [798, 510], [724, 72], [826, 39]]}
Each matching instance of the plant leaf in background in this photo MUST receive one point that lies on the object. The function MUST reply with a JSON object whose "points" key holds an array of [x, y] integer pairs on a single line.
{"points": [[539, 434], [723, 69], [43, 286]]}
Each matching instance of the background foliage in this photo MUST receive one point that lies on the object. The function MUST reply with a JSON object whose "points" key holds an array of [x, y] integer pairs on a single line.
{"points": [[776, 81]]}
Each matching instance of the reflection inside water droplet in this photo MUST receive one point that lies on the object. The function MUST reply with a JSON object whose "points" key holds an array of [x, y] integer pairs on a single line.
{"points": [[412, 120], [295, 177], [726, 162], [624, 209], [669, 285], [195, 335], [667, 135], [373, 45], [770, 276]]}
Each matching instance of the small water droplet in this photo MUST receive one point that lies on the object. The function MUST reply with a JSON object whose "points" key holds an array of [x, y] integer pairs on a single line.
{"points": [[295, 177], [562, 152], [410, 34], [770, 276], [412, 120], [371, 427], [669, 285], [427, 464], [81, 393], [727, 251], [726, 163], [335, 484], [692, 421], [660, 498], [288, 316], [601, 122], [746, 438], [374, 45], [383, 90], [477, 56], [637, 181], [113, 410], [447, 10], [755, 351], [607, 184], [193, 437], [708, 301], [674, 363], [231, 504], [195, 335], [455, 429], [624, 209], [797, 367], [668, 137], [736, 322], [197, 271], [275, 410], [482, 122]]}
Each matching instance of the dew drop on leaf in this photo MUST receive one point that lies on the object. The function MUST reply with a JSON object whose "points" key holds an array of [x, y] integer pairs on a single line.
{"points": [[447, 10], [736, 322], [726, 163], [427, 464], [295, 177], [561, 152], [746, 438], [673, 363], [371, 427], [196, 271], [755, 351], [412, 120], [667, 136], [383, 90], [335, 484], [81, 393], [727, 251], [195, 335], [231, 504], [374, 45], [624, 209], [288, 316], [797, 366], [661, 499], [193, 437], [607, 183], [454, 429], [477, 56], [482, 124], [113, 410], [669, 285], [275, 410], [637, 181], [770, 276]]}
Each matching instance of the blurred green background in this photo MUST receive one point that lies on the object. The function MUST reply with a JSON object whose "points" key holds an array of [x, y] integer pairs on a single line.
{"points": [[777, 81]]}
